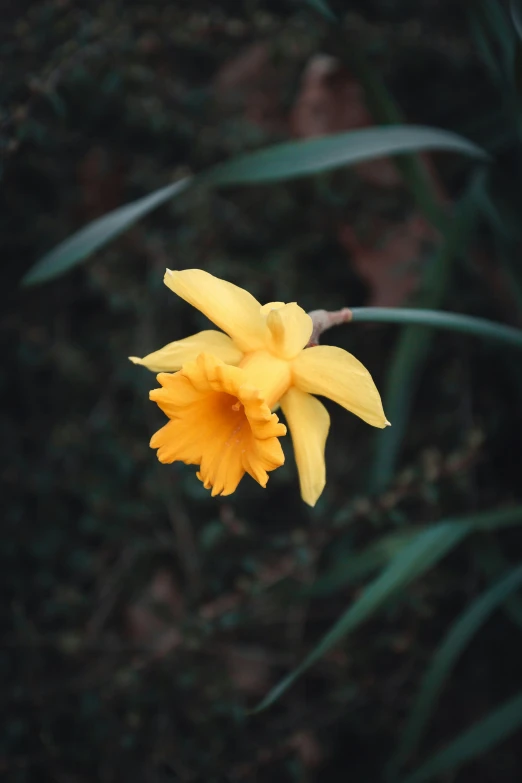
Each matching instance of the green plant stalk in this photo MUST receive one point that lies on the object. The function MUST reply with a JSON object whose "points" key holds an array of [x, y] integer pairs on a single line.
{"points": [[497, 726], [497, 35], [413, 560], [413, 344], [386, 111], [323, 8], [439, 319], [499, 27], [355, 567], [444, 660], [489, 558]]}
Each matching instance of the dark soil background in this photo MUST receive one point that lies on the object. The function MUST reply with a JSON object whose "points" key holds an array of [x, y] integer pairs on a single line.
{"points": [[144, 619]]}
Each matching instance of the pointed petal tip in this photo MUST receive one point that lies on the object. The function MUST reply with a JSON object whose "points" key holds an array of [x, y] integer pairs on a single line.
{"points": [[388, 423], [155, 442], [334, 373], [135, 359], [311, 494], [230, 307]]}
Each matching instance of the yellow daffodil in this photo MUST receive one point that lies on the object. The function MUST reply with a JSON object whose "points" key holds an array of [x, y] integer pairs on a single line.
{"points": [[218, 390]]}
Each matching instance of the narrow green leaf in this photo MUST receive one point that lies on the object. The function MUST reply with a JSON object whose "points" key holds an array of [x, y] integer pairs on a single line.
{"points": [[96, 234], [386, 111], [490, 16], [493, 520], [516, 16], [355, 567], [497, 36], [485, 47], [299, 158], [425, 550], [411, 348], [445, 658], [517, 80], [414, 342], [323, 8], [497, 20], [439, 319], [279, 162], [412, 561], [497, 726], [491, 561], [496, 212]]}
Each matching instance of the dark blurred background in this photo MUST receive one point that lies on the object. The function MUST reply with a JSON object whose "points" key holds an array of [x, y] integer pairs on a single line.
{"points": [[144, 619]]}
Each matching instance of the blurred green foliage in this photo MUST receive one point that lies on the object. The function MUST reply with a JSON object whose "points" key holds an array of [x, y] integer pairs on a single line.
{"points": [[144, 621]]}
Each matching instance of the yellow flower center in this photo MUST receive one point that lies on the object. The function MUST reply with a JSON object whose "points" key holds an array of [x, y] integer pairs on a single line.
{"points": [[220, 421]]}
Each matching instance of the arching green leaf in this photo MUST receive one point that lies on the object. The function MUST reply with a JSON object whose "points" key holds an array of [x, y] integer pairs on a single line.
{"points": [[279, 162], [481, 737], [426, 549], [89, 239], [445, 658]]}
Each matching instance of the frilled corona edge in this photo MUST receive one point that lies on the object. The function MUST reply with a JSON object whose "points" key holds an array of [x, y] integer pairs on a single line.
{"points": [[219, 422]]}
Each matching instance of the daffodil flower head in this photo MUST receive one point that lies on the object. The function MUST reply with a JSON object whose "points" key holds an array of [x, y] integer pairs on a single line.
{"points": [[218, 388]]}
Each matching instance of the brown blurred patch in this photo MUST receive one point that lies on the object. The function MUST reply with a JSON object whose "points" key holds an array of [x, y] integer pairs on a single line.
{"points": [[391, 264], [307, 747], [227, 602], [331, 100], [101, 177], [248, 670], [152, 620], [251, 82]]}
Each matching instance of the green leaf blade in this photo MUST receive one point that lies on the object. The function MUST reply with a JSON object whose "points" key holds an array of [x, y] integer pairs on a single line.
{"points": [[515, 8], [497, 726], [358, 566], [323, 8], [426, 549], [279, 162], [445, 658], [95, 235], [294, 159], [414, 342]]}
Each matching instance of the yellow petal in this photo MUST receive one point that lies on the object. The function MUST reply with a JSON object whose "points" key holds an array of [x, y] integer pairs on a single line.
{"points": [[219, 422], [268, 373], [265, 309], [173, 356], [290, 329], [231, 308], [309, 422], [176, 392], [336, 374]]}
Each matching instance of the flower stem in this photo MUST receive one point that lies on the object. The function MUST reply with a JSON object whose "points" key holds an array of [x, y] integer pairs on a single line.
{"points": [[439, 319], [325, 319]]}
